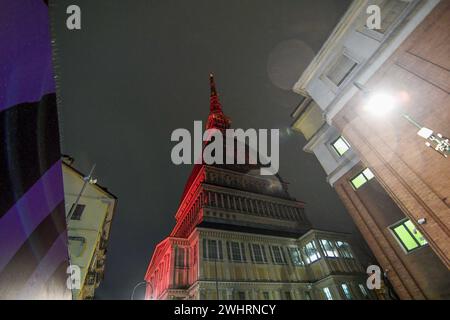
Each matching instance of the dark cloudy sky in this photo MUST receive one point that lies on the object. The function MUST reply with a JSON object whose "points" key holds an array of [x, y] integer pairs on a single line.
{"points": [[139, 69]]}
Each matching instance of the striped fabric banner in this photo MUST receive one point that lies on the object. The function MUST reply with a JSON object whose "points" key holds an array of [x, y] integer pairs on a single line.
{"points": [[33, 236]]}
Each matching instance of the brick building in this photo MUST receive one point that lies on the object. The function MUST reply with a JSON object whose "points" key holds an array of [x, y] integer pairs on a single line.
{"points": [[368, 99]]}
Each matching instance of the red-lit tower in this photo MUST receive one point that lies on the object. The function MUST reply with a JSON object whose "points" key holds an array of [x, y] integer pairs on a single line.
{"points": [[238, 235]]}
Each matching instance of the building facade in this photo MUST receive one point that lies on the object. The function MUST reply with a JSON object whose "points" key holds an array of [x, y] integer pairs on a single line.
{"points": [[240, 235], [367, 101], [90, 209]]}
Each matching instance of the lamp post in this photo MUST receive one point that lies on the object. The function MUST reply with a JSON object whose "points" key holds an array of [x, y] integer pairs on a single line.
{"points": [[379, 104], [137, 285]]}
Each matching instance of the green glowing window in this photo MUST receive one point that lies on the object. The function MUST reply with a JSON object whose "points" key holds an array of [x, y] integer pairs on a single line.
{"points": [[408, 235], [340, 145], [362, 178]]}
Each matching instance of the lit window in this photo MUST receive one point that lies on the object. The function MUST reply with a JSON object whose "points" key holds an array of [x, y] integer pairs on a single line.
{"points": [[277, 255], [328, 248], [340, 145], [344, 249], [258, 253], [296, 257], [327, 293], [346, 291], [362, 178], [363, 290], [408, 235], [311, 252]]}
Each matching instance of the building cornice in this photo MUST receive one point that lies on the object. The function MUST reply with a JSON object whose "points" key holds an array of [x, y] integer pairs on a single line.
{"points": [[330, 45]]}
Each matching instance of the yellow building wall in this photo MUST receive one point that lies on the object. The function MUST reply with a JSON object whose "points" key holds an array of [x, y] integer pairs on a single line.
{"points": [[90, 227]]}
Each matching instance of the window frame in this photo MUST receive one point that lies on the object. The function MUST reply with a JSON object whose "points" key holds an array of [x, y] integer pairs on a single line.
{"points": [[340, 137], [307, 251], [367, 179], [363, 290], [400, 241], [298, 251], [262, 249], [346, 290], [344, 249], [78, 205], [334, 61], [334, 251], [327, 293], [280, 251], [207, 255], [236, 251]]}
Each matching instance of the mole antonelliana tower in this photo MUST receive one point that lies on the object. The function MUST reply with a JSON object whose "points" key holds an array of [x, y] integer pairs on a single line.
{"points": [[240, 235]]}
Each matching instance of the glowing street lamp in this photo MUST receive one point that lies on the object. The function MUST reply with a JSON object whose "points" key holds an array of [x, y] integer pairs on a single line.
{"points": [[380, 104]]}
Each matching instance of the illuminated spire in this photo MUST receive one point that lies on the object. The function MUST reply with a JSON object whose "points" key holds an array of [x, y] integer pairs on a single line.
{"points": [[216, 119], [214, 98]]}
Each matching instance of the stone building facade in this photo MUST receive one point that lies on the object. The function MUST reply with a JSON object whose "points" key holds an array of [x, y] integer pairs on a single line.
{"points": [[240, 235]]}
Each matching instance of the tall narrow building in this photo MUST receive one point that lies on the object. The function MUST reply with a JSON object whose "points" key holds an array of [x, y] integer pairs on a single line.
{"points": [[240, 235]]}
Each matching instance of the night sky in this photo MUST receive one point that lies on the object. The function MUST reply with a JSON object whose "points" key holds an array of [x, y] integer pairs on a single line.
{"points": [[139, 69]]}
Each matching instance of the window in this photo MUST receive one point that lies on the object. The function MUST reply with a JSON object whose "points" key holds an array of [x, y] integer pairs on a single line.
{"points": [[328, 248], [327, 293], [346, 290], [277, 255], [212, 249], [296, 256], [77, 245], [362, 178], [363, 290], [311, 252], [344, 249], [77, 212], [258, 253], [236, 251], [340, 145], [179, 257], [266, 295], [341, 69], [408, 235]]}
